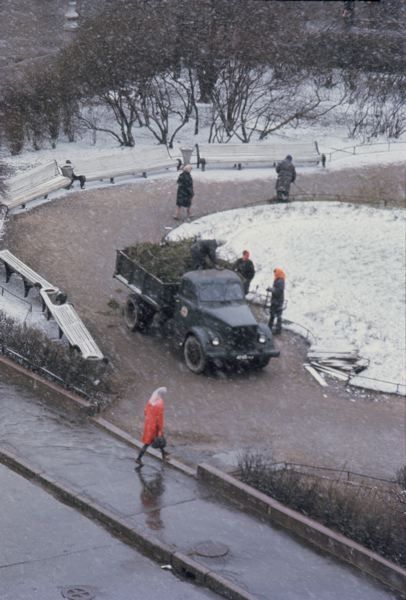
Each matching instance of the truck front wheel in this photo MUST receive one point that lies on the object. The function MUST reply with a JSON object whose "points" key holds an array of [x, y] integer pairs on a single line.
{"points": [[195, 357], [136, 316]]}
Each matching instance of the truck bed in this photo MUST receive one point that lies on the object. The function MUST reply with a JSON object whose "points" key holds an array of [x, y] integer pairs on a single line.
{"points": [[151, 289]]}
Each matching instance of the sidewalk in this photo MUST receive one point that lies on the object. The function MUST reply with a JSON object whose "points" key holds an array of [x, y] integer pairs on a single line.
{"points": [[171, 509]]}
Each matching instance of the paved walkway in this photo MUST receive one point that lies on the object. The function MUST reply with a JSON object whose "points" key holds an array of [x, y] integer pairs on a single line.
{"points": [[172, 507]]}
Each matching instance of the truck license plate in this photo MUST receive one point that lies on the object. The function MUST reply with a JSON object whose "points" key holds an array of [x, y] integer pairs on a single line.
{"points": [[244, 357]]}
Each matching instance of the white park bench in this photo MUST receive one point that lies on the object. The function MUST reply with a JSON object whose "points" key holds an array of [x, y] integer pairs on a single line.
{"points": [[304, 153], [30, 278], [70, 324], [135, 162], [35, 183]]}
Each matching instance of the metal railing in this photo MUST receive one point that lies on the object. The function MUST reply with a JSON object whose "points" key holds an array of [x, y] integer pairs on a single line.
{"points": [[365, 149], [343, 475], [20, 359], [398, 388]]}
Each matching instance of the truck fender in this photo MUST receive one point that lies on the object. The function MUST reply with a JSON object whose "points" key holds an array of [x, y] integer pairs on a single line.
{"points": [[201, 333], [263, 328]]}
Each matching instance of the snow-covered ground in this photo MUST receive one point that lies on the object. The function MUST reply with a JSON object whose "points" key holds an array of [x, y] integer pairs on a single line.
{"points": [[345, 264]]}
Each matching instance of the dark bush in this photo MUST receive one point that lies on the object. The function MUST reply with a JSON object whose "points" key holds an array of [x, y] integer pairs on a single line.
{"points": [[401, 477], [374, 517]]}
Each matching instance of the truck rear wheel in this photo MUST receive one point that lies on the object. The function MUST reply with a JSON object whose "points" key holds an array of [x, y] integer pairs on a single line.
{"points": [[195, 357], [137, 315]]}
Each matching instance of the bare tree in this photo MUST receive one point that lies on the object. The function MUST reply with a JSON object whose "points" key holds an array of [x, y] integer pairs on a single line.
{"points": [[162, 98], [258, 101], [378, 106]]}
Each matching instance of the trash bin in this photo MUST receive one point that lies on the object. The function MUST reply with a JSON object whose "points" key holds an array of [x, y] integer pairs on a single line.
{"points": [[186, 155]]}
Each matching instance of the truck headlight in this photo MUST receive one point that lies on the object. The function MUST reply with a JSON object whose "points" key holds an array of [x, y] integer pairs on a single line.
{"points": [[261, 338], [215, 341]]}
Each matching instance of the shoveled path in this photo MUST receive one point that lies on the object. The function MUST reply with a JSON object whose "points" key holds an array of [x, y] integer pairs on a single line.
{"points": [[172, 507]]}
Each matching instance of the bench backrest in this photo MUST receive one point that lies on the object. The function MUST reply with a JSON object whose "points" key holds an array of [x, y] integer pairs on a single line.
{"points": [[299, 150], [32, 178], [128, 159], [18, 266]]}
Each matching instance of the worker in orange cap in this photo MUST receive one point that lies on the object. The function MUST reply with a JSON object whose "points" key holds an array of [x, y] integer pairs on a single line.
{"points": [[277, 300]]}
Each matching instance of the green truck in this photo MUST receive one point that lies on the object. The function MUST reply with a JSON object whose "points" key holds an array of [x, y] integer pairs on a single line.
{"points": [[205, 313]]}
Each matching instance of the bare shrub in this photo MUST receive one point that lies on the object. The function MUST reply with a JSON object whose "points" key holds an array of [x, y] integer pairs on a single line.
{"points": [[34, 350], [374, 517], [401, 477]]}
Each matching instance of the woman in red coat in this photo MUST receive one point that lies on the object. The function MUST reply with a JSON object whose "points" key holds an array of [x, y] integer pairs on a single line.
{"points": [[154, 422]]}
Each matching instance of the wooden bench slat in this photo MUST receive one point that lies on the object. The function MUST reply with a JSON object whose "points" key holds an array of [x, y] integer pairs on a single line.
{"points": [[28, 274], [72, 327], [239, 154], [33, 184], [135, 162]]}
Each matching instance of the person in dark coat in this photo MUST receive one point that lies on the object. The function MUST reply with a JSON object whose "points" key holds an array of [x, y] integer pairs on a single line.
{"points": [[185, 192], [277, 300], [286, 175], [245, 269], [348, 13], [202, 250], [68, 171]]}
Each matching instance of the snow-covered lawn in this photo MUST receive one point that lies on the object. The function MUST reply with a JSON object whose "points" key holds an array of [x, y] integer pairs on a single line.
{"points": [[345, 268]]}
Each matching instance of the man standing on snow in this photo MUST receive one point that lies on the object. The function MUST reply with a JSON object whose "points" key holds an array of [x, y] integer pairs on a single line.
{"points": [[277, 300], [245, 269], [286, 175]]}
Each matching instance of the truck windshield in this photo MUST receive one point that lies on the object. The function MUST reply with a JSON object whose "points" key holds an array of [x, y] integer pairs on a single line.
{"points": [[220, 291]]}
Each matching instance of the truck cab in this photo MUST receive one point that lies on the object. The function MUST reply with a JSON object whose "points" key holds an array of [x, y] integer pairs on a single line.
{"points": [[214, 324]]}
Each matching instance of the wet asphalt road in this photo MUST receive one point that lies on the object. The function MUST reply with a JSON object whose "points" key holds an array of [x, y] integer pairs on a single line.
{"points": [[51, 549]]}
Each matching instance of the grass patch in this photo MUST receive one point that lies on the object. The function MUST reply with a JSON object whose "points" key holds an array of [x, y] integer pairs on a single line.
{"points": [[372, 516]]}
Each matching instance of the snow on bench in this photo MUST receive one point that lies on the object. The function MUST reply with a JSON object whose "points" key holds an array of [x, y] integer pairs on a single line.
{"points": [[70, 325], [36, 183], [136, 162], [30, 278], [305, 153]]}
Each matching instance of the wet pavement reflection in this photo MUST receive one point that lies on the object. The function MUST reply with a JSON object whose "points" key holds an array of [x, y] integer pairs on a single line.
{"points": [[170, 506]]}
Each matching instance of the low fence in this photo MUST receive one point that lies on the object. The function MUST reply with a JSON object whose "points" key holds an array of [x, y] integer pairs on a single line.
{"points": [[28, 364], [303, 196], [364, 149], [362, 381], [342, 475]]}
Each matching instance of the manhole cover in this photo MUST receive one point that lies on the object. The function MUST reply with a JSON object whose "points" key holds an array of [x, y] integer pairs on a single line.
{"points": [[211, 549], [78, 592]]}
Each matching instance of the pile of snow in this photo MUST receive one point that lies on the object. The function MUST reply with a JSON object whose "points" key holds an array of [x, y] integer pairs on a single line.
{"points": [[345, 267]]}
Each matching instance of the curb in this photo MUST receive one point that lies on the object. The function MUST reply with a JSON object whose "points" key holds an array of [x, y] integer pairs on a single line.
{"points": [[182, 564], [126, 438], [314, 533]]}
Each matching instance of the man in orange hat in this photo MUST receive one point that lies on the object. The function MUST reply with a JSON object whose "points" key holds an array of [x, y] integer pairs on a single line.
{"points": [[277, 300]]}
